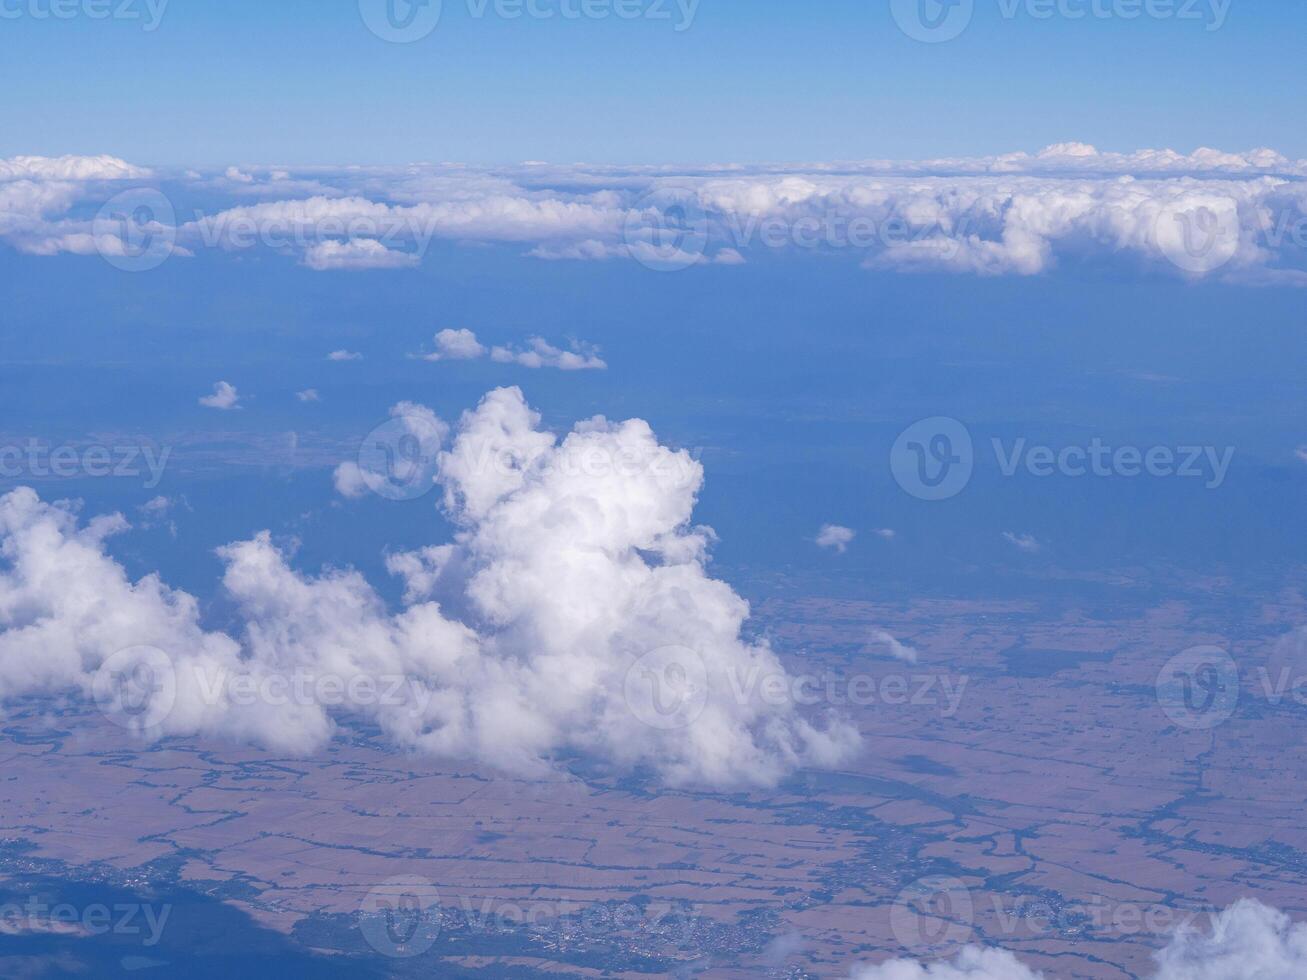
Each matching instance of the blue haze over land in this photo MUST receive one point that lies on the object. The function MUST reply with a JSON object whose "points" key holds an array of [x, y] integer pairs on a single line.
{"points": [[789, 377]]}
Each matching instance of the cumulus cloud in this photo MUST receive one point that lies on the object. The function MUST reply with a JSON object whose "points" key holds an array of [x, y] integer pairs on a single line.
{"points": [[456, 345], [308, 395], [539, 353], [344, 355], [156, 505], [224, 397], [67, 610], [463, 345], [835, 537], [359, 253], [350, 481], [1248, 941], [897, 650], [398, 459], [571, 613]]}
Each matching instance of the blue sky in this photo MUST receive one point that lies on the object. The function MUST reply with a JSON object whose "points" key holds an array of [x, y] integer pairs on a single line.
{"points": [[304, 81]]}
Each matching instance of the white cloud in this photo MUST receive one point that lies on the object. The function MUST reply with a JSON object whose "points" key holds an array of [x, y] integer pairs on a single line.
{"points": [[350, 481], [408, 446], [224, 397], [1238, 217], [539, 353], [66, 609], [308, 395], [971, 964], [358, 253], [1023, 542], [835, 537], [897, 650], [463, 345], [529, 636], [37, 193], [72, 168], [154, 513], [783, 948], [888, 533], [456, 345], [1248, 941], [156, 505], [344, 355], [1020, 224]]}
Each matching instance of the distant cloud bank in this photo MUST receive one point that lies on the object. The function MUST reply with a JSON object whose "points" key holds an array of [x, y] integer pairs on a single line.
{"points": [[1235, 217]]}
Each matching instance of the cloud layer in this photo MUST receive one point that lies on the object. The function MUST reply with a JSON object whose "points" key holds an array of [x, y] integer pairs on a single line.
{"points": [[1240, 217], [572, 613]]}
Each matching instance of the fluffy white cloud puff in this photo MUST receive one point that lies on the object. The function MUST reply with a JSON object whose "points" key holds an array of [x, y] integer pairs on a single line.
{"points": [[572, 613]]}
